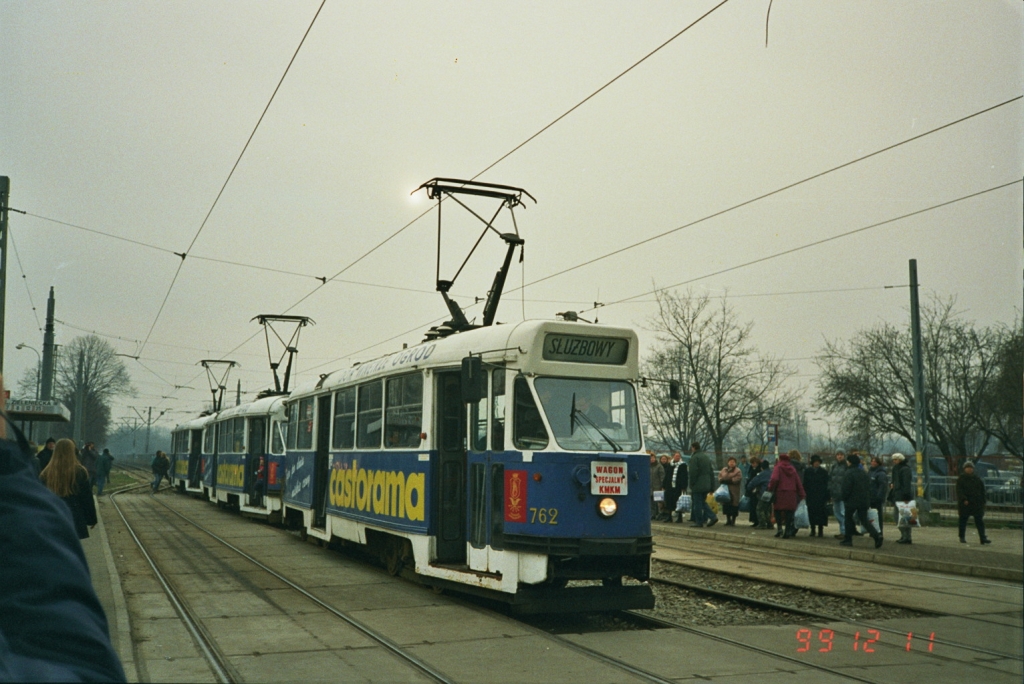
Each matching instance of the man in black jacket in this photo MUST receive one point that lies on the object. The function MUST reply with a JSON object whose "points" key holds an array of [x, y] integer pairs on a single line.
{"points": [[46, 454], [902, 492], [676, 482], [856, 495]]}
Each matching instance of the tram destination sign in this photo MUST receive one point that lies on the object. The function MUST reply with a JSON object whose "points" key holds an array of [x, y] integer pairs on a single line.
{"points": [[38, 411], [585, 349]]}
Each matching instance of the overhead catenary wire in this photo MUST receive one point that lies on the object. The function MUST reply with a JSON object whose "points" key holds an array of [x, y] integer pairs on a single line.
{"points": [[815, 243], [744, 203], [245, 147], [24, 278]]}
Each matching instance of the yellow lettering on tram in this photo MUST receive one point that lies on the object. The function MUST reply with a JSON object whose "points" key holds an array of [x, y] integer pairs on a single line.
{"points": [[231, 474], [388, 493]]}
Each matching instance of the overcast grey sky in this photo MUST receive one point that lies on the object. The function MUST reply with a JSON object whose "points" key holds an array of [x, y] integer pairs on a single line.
{"points": [[126, 118]]}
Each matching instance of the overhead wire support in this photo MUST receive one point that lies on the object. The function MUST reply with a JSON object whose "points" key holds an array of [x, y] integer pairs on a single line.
{"points": [[228, 179], [291, 347]]}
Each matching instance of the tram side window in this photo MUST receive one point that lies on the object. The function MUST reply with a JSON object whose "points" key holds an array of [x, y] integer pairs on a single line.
{"points": [[403, 420], [208, 434], [238, 445], [498, 410], [529, 432], [276, 441], [293, 425], [304, 438], [224, 437], [368, 425], [344, 419]]}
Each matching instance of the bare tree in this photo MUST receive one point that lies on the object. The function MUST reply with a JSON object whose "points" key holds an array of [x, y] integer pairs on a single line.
{"points": [[675, 423], [868, 382], [728, 383], [89, 365], [1001, 411]]}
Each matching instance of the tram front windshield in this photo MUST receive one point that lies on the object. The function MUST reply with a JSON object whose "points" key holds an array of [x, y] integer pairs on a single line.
{"points": [[590, 415]]}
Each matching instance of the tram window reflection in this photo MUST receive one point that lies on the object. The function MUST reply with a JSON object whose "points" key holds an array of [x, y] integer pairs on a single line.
{"points": [[369, 421], [498, 410], [529, 431], [590, 415], [404, 417]]}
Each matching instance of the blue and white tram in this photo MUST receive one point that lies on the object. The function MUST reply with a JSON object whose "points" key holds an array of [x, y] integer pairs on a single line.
{"points": [[540, 480], [186, 454], [244, 458]]}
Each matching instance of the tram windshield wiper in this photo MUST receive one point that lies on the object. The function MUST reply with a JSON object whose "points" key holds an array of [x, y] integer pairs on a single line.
{"points": [[575, 412]]}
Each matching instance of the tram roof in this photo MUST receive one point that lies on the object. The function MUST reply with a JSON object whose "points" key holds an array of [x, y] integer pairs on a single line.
{"points": [[260, 407], [516, 344]]}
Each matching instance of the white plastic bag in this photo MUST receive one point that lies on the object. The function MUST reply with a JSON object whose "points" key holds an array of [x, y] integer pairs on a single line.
{"points": [[722, 494], [800, 518], [908, 514], [684, 504], [659, 494]]}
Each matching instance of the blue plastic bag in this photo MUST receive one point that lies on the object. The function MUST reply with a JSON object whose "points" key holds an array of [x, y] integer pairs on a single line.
{"points": [[800, 518], [745, 504]]}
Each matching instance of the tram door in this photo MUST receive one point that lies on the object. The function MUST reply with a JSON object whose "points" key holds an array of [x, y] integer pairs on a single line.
{"points": [[451, 502], [321, 471], [195, 451], [257, 448]]}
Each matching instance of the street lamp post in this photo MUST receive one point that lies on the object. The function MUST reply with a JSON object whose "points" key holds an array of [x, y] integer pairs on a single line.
{"points": [[40, 363]]}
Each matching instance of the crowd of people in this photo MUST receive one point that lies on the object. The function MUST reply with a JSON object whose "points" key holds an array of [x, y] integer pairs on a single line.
{"points": [[788, 494]]}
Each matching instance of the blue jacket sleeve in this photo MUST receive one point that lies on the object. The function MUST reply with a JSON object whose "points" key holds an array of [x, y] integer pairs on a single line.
{"points": [[52, 626]]}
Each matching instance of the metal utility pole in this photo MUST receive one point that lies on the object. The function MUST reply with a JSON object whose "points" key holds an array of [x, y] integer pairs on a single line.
{"points": [[79, 397], [149, 424], [48, 352], [148, 419], [920, 405], [5, 191]]}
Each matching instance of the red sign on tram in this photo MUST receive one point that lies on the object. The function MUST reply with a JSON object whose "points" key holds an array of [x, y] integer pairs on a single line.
{"points": [[515, 496]]}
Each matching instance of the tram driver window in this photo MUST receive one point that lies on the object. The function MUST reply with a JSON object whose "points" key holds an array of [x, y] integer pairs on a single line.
{"points": [[403, 420], [529, 433], [498, 410], [368, 425]]}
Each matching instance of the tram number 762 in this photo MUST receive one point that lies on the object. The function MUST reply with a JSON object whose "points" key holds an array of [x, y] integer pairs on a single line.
{"points": [[544, 516]]}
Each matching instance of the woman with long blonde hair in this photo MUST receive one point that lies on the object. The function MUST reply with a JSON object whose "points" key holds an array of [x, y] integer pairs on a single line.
{"points": [[68, 479]]}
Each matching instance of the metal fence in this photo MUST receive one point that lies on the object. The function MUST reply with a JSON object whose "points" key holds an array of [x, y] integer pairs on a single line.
{"points": [[1002, 491]]}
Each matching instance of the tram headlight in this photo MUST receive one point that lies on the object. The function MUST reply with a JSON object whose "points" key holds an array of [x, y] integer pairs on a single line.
{"points": [[607, 507]]}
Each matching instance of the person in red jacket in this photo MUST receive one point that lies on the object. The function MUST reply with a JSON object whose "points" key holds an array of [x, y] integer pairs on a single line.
{"points": [[789, 492]]}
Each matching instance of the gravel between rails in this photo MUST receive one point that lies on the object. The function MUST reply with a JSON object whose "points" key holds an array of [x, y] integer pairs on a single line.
{"points": [[694, 608]]}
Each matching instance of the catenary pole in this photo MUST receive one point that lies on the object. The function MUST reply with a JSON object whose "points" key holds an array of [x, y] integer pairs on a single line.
{"points": [[5, 191], [920, 405], [46, 390]]}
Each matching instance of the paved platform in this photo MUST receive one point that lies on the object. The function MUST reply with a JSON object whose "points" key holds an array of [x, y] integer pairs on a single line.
{"points": [[106, 582], [935, 549]]}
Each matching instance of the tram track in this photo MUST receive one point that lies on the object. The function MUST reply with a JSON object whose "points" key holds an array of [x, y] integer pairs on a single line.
{"points": [[827, 618], [219, 663], [784, 560]]}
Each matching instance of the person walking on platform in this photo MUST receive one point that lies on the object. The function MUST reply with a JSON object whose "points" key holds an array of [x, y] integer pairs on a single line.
{"points": [[160, 467], [902, 490], [816, 488], [835, 491], [678, 481], [879, 488], [789, 492], [970, 500], [89, 458], [68, 479], [856, 497], [732, 476], [701, 484], [752, 472], [103, 464], [657, 476]]}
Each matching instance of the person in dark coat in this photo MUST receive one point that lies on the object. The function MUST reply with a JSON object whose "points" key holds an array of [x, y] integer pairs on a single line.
{"points": [[160, 466], [732, 476], [856, 495], [816, 487], [676, 481], [835, 491], [753, 471], [52, 626], [756, 488], [657, 477], [46, 454], [879, 488], [701, 483], [103, 465], [89, 457], [901, 490], [789, 492], [970, 500]]}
